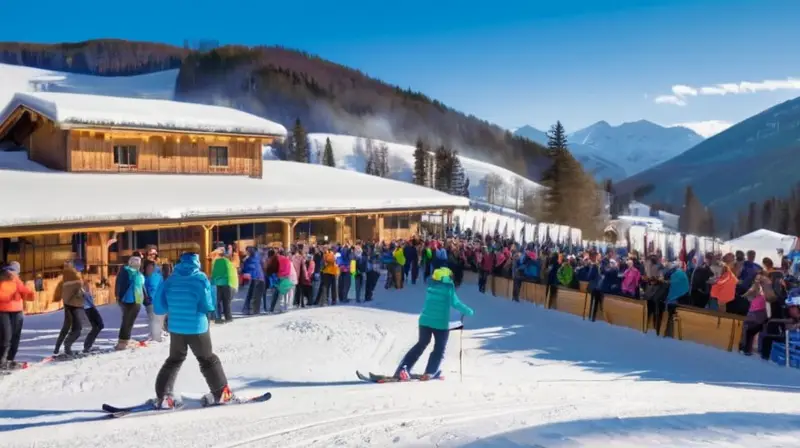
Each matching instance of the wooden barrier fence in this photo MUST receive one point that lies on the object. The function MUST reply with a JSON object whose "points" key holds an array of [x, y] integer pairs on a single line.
{"points": [[712, 328]]}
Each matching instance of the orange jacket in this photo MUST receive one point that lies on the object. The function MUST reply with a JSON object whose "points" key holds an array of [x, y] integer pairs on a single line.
{"points": [[724, 289], [329, 264], [12, 292]]}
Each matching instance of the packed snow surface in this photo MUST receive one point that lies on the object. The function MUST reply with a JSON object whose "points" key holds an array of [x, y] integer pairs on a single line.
{"points": [[531, 377], [286, 188], [117, 112]]}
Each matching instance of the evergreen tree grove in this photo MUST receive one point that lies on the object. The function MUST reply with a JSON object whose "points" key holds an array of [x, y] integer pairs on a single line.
{"points": [[327, 155]]}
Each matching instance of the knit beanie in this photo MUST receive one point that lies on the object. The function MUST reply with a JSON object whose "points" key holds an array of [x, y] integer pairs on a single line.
{"points": [[14, 268], [135, 262]]}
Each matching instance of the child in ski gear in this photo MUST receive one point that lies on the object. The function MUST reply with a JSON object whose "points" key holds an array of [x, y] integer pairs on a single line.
{"points": [[131, 301], [434, 321], [12, 293], [70, 291], [186, 296], [94, 317]]}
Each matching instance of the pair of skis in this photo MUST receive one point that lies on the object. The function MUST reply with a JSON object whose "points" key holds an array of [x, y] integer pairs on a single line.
{"points": [[150, 406], [384, 379]]}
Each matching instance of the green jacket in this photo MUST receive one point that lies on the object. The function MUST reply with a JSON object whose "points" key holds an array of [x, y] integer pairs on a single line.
{"points": [[439, 298], [224, 274], [565, 274]]}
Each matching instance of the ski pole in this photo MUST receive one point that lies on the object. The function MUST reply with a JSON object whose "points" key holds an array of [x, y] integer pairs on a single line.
{"points": [[461, 351]]}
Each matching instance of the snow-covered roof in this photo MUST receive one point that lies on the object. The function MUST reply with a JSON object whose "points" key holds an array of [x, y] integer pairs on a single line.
{"points": [[35, 195], [765, 242], [108, 111]]}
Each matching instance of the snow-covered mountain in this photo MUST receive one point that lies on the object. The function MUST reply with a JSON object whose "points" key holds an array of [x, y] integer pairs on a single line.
{"points": [[532, 134], [618, 152], [161, 85], [350, 154]]}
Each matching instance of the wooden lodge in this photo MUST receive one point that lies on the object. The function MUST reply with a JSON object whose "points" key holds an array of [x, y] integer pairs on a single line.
{"points": [[63, 132], [71, 200]]}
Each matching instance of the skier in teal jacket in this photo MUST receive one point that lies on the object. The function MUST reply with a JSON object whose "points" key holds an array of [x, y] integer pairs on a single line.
{"points": [[434, 322]]}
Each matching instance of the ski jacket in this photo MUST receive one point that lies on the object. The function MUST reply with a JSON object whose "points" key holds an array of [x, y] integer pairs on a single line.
{"points": [[724, 290], [251, 267], [399, 256], [439, 298], [298, 261], [151, 284], [411, 254], [678, 285], [529, 265], [12, 293], [135, 291], [329, 264], [630, 280], [307, 273], [565, 274], [186, 296], [223, 273], [70, 289], [284, 267]]}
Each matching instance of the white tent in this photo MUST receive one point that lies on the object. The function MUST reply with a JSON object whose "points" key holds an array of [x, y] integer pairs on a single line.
{"points": [[765, 242]]}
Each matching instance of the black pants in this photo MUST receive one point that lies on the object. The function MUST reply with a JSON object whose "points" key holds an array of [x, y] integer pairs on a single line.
{"points": [[96, 321], [224, 298], [303, 295], [299, 293], [210, 365], [390, 270], [129, 313], [10, 332], [252, 304], [595, 304], [372, 282], [345, 282], [359, 280], [70, 328], [327, 287], [435, 359], [274, 298], [482, 277]]}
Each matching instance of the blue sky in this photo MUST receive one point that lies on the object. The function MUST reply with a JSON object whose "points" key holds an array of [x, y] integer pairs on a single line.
{"points": [[512, 63]]}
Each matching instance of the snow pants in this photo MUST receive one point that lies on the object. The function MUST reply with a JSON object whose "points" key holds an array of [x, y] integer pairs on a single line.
{"points": [[10, 332], [390, 268], [753, 324], [359, 280], [435, 359], [129, 313], [372, 282], [414, 272], [252, 303], [71, 328], [210, 365], [96, 321], [328, 287], [483, 276], [224, 299], [345, 280]]}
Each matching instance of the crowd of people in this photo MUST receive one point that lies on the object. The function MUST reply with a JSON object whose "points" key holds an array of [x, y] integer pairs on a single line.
{"points": [[306, 275]]}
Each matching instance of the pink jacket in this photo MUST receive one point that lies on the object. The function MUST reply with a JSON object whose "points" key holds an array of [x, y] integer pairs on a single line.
{"points": [[630, 280], [297, 262], [487, 262], [284, 266]]}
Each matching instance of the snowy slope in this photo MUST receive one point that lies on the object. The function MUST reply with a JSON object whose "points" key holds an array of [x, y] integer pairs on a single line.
{"points": [[531, 377], [14, 78], [349, 152]]}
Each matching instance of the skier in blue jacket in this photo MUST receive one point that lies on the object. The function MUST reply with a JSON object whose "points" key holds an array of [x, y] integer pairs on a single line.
{"points": [[434, 321], [187, 297]]}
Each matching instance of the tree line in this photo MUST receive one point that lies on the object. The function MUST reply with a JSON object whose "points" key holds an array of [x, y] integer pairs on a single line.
{"points": [[780, 215]]}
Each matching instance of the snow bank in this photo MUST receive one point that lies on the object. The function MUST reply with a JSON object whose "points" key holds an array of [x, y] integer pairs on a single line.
{"points": [[108, 111], [42, 196]]}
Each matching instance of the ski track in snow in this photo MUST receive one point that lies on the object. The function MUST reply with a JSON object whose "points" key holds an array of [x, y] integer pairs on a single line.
{"points": [[532, 377]]}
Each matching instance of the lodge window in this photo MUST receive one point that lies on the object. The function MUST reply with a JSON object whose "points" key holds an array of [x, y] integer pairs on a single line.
{"points": [[218, 156], [396, 222], [125, 155]]}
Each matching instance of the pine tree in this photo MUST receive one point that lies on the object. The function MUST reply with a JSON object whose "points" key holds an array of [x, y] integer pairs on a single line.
{"points": [[443, 169], [420, 163], [457, 175], [752, 218], [556, 137], [430, 170], [382, 159], [327, 155], [465, 192], [279, 149], [300, 143]]}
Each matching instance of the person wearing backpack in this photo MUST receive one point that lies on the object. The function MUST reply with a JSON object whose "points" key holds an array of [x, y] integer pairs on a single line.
{"points": [[776, 294]]}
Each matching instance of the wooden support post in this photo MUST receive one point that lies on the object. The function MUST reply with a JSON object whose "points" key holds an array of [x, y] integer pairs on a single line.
{"points": [[379, 227], [205, 248], [286, 234], [339, 230], [103, 238]]}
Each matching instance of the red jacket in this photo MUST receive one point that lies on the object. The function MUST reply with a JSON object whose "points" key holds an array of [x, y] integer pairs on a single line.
{"points": [[12, 292]]}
